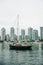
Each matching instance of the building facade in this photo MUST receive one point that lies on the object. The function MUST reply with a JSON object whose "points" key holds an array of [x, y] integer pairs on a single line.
{"points": [[3, 34], [26, 37], [12, 34], [23, 34], [30, 33], [7, 37], [41, 32], [35, 35]]}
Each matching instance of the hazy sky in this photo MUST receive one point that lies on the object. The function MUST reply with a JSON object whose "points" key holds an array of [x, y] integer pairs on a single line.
{"points": [[30, 13]]}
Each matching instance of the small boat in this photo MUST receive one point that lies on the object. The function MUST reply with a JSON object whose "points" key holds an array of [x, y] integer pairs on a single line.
{"points": [[12, 47], [22, 46]]}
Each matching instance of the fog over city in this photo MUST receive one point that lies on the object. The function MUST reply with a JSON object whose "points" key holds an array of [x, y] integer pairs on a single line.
{"points": [[30, 14]]}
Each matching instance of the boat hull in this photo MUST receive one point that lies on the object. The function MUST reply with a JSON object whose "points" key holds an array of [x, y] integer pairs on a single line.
{"points": [[11, 47]]}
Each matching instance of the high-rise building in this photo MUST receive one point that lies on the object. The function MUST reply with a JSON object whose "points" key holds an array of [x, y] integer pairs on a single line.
{"points": [[30, 33], [20, 37], [0, 38], [35, 35], [41, 32], [12, 34], [23, 34], [26, 37], [3, 34], [7, 37]]}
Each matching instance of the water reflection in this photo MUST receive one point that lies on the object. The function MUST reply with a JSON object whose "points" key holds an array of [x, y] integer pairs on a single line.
{"points": [[12, 57]]}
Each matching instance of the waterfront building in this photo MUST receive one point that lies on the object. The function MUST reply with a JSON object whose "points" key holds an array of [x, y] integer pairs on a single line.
{"points": [[30, 33], [15, 37], [35, 35], [12, 34], [0, 38], [7, 37], [41, 32], [23, 34], [26, 37], [3, 34], [20, 37]]}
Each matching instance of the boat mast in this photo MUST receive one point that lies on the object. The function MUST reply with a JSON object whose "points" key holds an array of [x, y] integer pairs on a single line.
{"points": [[18, 28]]}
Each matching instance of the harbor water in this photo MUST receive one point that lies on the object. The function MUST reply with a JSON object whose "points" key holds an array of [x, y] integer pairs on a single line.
{"points": [[29, 57]]}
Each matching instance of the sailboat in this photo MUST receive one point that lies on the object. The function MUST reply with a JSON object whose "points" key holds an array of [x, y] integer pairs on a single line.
{"points": [[16, 45]]}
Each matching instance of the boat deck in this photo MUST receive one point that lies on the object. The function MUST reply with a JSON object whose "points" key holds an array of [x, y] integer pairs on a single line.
{"points": [[12, 47]]}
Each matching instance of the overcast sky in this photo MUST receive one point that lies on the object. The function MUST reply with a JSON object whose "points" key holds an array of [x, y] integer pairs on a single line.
{"points": [[30, 13]]}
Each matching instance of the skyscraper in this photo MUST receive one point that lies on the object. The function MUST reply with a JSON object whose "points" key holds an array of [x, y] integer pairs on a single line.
{"points": [[23, 34], [35, 35], [41, 32], [30, 33], [3, 34], [12, 34], [26, 37], [7, 37], [20, 37]]}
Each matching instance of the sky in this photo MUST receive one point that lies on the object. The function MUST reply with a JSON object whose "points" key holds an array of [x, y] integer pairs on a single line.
{"points": [[30, 14]]}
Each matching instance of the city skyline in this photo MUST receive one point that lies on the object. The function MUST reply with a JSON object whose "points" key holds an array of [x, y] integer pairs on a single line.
{"points": [[30, 14], [26, 31], [31, 35]]}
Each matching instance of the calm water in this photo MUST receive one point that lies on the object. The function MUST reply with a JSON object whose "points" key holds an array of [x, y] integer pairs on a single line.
{"points": [[12, 57]]}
